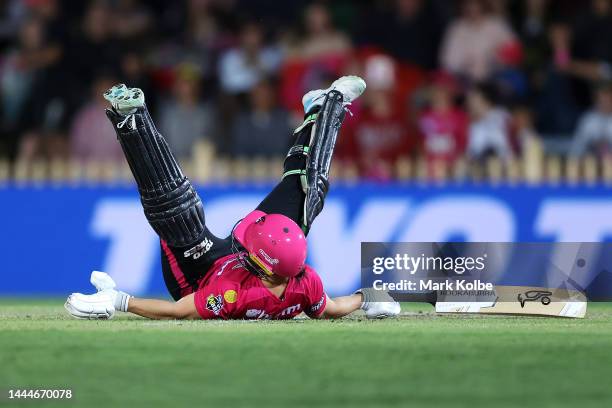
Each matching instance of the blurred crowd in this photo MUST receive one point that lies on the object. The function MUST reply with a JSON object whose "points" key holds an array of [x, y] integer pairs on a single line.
{"points": [[447, 80]]}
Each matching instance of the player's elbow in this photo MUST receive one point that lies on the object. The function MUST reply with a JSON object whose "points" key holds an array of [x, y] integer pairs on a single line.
{"points": [[332, 311], [185, 309]]}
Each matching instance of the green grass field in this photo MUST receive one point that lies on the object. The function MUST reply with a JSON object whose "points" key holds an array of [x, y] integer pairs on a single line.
{"points": [[420, 359]]}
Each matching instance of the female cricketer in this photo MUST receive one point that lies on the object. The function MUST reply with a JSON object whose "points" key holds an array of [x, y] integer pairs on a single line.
{"points": [[259, 271]]}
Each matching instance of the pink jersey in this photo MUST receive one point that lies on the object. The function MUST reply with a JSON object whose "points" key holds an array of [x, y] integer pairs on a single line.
{"points": [[229, 291]]}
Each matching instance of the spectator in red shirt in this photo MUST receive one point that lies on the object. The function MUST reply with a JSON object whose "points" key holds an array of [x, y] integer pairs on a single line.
{"points": [[443, 124], [91, 135], [382, 135]]}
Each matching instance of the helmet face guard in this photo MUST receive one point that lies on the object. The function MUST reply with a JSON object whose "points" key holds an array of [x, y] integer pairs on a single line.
{"points": [[252, 258], [270, 244], [246, 261]]}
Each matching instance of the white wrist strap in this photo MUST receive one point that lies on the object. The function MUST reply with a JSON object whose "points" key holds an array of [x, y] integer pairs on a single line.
{"points": [[121, 301], [364, 297]]}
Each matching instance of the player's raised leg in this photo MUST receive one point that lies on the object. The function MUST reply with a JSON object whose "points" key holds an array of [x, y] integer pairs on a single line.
{"points": [[305, 183], [170, 203]]}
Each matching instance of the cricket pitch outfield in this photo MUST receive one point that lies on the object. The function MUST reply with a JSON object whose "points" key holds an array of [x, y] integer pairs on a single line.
{"points": [[419, 359]]}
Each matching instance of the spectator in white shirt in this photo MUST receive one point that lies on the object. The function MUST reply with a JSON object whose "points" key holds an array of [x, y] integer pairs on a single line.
{"points": [[185, 118], [241, 68], [489, 130], [471, 43], [594, 131]]}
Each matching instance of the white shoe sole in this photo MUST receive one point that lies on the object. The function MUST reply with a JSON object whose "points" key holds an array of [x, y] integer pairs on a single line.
{"points": [[125, 100], [351, 87]]}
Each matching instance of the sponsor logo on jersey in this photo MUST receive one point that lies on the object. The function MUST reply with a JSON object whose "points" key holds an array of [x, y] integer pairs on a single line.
{"points": [[317, 306], [230, 296], [214, 303], [268, 258], [199, 250], [256, 314], [261, 314], [291, 309]]}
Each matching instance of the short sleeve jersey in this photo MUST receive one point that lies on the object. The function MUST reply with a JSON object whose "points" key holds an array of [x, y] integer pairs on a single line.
{"points": [[230, 291]]}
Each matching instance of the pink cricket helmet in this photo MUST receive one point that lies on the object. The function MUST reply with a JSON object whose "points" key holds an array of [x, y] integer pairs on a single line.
{"points": [[274, 242]]}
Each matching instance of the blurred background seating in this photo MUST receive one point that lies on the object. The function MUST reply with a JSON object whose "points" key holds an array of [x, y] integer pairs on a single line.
{"points": [[516, 91]]}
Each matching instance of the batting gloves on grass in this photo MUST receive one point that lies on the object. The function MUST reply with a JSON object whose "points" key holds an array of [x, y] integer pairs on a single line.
{"points": [[377, 304], [100, 305]]}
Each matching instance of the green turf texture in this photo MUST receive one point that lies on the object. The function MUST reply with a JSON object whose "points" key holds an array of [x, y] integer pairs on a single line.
{"points": [[419, 359]]}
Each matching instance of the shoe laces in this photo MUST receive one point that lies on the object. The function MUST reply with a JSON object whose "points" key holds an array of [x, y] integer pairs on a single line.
{"points": [[345, 105], [130, 121]]}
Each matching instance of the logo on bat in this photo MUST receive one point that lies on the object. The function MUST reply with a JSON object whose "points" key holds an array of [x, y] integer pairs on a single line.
{"points": [[534, 295]]}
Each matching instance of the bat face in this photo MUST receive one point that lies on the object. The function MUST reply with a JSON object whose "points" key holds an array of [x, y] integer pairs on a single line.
{"points": [[529, 301]]}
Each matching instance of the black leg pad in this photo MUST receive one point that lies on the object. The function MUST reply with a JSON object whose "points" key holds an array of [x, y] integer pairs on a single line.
{"points": [[322, 144], [170, 203]]}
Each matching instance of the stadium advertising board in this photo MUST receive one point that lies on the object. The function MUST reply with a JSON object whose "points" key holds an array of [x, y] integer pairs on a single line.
{"points": [[103, 228]]}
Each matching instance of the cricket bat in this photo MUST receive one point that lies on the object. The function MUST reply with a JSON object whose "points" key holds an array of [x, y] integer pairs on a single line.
{"points": [[521, 300]]}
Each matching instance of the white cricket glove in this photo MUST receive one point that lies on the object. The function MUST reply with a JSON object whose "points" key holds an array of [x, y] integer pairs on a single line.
{"points": [[377, 304], [100, 305]]}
